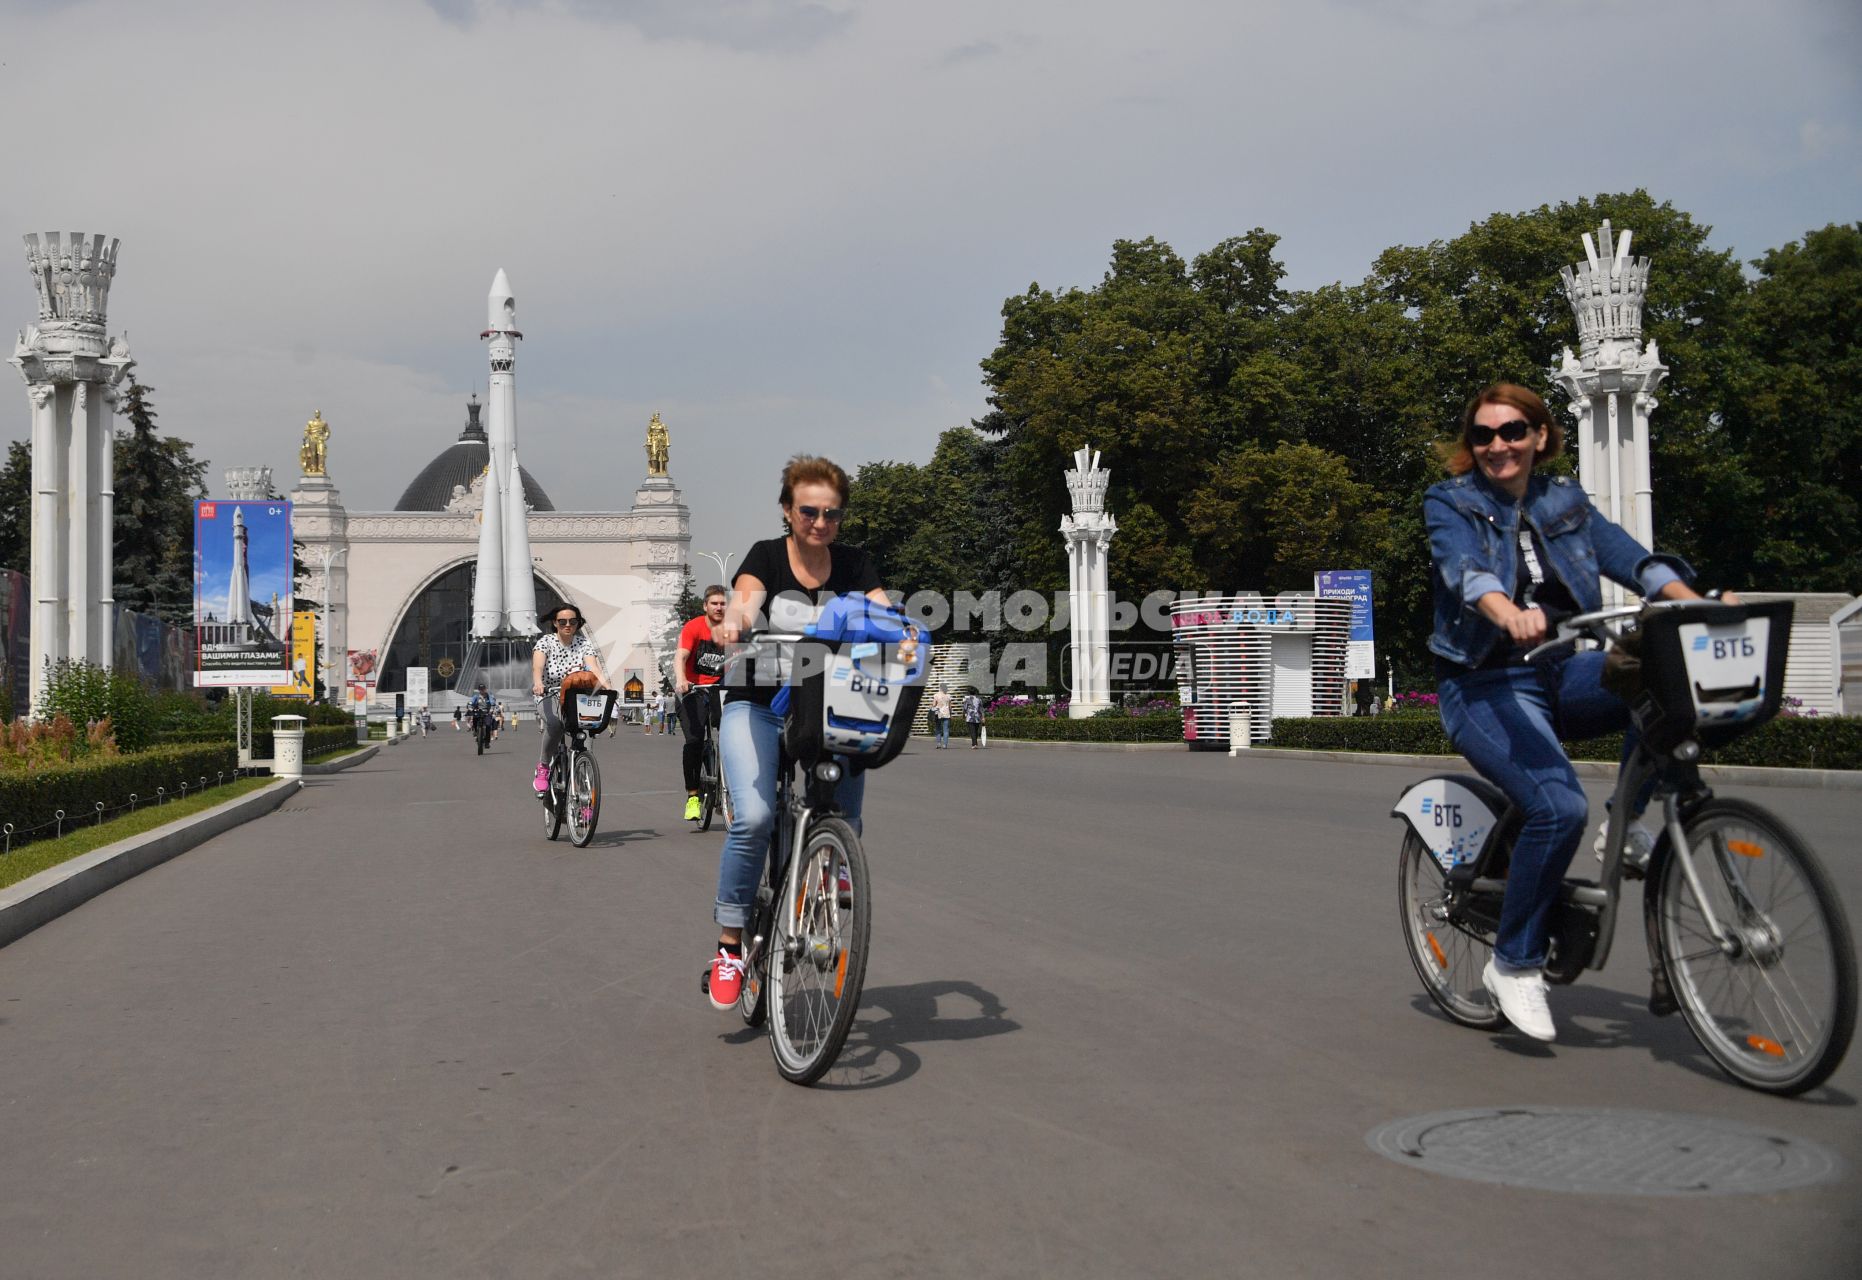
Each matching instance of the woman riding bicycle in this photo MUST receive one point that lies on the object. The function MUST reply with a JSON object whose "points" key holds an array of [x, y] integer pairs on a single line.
{"points": [[565, 649], [1514, 551], [698, 665], [789, 579]]}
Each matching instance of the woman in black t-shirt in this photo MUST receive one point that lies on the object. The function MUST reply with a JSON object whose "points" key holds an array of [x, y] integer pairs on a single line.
{"points": [[786, 580]]}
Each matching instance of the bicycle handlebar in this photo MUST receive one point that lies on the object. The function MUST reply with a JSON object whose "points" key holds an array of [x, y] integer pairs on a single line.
{"points": [[1595, 624]]}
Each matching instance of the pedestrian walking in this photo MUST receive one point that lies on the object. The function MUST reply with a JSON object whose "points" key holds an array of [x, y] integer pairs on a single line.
{"points": [[668, 713], [458, 715], [973, 716], [940, 717]]}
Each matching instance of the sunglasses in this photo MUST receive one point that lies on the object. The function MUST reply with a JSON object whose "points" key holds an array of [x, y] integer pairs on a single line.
{"points": [[571, 623], [1511, 432], [831, 515]]}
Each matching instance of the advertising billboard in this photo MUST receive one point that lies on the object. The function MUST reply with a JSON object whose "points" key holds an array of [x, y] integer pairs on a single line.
{"points": [[417, 687], [362, 676], [242, 592], [1360, 643], [303, 682]]}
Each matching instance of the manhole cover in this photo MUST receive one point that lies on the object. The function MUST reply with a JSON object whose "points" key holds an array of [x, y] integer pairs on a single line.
{"points": [[1641, 1153]]}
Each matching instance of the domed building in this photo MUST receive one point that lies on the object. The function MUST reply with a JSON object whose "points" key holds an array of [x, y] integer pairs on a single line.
{"points": [[399, 583], [442, 481]]}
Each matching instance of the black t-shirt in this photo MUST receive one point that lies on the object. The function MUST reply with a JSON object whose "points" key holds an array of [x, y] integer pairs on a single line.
{"points": [[1535, 586], [790, 606]]}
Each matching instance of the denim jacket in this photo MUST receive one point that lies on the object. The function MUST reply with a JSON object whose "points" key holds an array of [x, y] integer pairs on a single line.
{"points": [[1474, 539]]}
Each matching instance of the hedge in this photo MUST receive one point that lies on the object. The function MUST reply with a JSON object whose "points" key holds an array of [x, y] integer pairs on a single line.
{"points": [[1094, 729], [28, 800], [319, 739], [1792, 742]]}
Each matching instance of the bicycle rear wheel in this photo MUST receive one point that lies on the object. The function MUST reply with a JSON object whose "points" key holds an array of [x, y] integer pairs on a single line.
{"points": [[1447, 957], [584, 802], [1777, 1007], [817, 952], [553, 808]]}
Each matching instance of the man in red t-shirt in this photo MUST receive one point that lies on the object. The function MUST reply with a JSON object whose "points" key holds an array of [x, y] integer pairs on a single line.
{"points": [[699, 664]]}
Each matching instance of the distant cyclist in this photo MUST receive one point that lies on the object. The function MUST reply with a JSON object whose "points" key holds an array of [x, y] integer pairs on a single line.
{"points": [[698, 666], [789, 580], [565, 649], [479, 710]]}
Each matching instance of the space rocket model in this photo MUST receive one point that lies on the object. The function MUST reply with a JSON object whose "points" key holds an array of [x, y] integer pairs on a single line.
{"points": [[239, 590], [504, 595]]}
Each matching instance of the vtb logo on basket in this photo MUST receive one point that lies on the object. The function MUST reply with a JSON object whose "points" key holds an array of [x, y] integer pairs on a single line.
{"points": [[1729, 647]]}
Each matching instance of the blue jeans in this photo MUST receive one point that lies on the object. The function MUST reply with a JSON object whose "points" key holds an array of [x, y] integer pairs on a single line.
{"points": [[749, 743], [943, 730], [1508, 722]]}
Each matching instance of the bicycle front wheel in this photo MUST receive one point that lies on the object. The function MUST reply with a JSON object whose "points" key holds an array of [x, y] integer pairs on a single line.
{"points": [[817, 952], [1773, 1000], [753, 998], [709, 785], [1447, 957], [584, 798]]}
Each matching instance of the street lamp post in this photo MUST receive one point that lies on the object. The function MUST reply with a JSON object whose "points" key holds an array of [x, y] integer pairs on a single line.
{"points": [[724, 566], [329, 556]]}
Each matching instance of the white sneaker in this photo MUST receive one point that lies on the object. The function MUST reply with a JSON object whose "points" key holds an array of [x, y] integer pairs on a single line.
{"points": [[1521, 997], [1635, 853]]}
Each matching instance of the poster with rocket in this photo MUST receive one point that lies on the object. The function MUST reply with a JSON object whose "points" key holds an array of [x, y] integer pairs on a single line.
{"points": [[242, 592]]}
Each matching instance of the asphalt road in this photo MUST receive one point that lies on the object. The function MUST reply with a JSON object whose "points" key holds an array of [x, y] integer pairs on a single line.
{"points": [[1128, 1014]]}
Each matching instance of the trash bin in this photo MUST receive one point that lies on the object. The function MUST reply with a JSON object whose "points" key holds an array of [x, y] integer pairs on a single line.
{"points": [[287, 746], [1240, 727]]}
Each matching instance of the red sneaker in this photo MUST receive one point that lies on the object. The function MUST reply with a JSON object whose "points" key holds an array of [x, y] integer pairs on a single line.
{"points": [[725, 982]]}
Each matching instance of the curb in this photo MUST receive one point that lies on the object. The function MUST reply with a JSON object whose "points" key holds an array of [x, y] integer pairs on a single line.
{"points": [[993, 743], [1733, 775], [41, 899], [312, 768]]}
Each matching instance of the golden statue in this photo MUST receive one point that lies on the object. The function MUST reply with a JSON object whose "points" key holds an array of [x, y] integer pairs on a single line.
{"points": [[659, 447], [313, 456]]}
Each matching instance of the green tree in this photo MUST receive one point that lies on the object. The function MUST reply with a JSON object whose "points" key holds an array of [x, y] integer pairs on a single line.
{"points": [[1272, 519], [157, 480], [689, 606], [1790, 518], [16, 507]]}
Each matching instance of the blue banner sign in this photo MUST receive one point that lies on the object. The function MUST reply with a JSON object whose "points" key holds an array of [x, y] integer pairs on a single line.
{"points": [[1355, 585]]}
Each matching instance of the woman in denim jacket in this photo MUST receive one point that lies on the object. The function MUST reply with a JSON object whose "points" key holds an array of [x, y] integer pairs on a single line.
{"points": [[1513, 552]]}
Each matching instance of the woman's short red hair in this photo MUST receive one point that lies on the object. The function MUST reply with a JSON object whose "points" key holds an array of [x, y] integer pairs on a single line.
{"points": [[805, 468]]}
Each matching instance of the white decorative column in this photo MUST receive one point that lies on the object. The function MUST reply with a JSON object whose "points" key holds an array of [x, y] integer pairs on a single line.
{"points": [[71, 369], [1611, 383], [321, 525], [1088, 534]]}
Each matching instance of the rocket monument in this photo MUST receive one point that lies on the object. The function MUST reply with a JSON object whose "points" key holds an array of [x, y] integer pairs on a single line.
{"points": [[504, 594], [239, 589]]}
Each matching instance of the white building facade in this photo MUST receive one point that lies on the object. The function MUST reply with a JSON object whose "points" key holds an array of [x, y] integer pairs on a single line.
{"points": [[400, 583]]}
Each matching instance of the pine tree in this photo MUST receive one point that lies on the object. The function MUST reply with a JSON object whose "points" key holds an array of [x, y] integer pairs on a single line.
{"points": [[157, 481], [16, 508]]}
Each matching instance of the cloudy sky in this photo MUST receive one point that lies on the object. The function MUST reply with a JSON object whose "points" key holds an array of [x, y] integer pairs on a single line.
{"points": [[790, 226]]}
